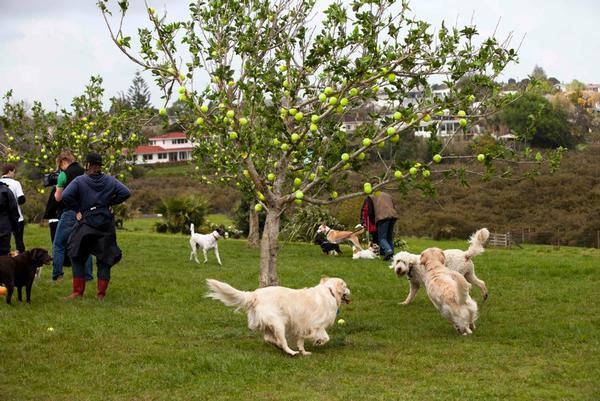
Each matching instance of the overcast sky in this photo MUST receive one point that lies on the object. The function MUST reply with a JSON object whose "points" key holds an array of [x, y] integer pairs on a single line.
{"points": [[49, 49]]}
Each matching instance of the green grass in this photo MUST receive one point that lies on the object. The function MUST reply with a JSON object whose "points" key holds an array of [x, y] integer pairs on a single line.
{"points": [[155, 337]]}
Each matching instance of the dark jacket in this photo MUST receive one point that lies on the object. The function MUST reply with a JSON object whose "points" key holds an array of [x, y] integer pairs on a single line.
{"points": [[9, 213], [95, 233], [51, 211], [73, 171], [367, 215]]}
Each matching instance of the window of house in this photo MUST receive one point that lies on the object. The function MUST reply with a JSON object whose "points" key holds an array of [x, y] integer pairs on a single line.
{"points": [[162, 156], [183, 156], [147, 157]]}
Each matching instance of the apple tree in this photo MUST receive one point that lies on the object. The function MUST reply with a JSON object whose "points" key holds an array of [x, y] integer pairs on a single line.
{"points": [[267, 85], [34, 136]]}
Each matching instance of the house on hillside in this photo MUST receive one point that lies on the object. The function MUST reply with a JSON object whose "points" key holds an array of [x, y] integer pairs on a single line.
{"points": [[170, 147]]}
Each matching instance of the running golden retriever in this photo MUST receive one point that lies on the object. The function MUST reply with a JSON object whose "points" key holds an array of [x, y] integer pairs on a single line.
{"points": [[280, 311]]}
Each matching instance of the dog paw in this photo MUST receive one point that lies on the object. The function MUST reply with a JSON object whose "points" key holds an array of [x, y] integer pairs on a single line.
{"points": [[292, 352], [306, 353]]}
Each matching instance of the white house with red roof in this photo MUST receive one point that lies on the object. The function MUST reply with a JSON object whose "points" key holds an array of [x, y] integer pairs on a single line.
{"points": [[170, 147]]}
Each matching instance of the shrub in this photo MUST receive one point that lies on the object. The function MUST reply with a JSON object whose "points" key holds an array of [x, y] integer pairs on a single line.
{"points": [[180, 211], [305, 222]]}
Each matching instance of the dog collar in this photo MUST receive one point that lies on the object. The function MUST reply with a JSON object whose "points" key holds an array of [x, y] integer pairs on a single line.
{"points": [[216, 237], [331, 292]]}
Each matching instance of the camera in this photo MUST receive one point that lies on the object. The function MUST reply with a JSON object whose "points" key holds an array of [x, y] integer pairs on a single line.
{"points": [[50, 179]]}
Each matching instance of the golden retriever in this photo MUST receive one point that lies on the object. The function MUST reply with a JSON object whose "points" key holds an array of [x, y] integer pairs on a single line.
{"points": [[280, 311], [448, 290], [405, 263]]}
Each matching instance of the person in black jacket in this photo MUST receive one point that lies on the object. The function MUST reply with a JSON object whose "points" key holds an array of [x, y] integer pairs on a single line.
{"points": [[9, 217], [92, 195], [8, 177]]}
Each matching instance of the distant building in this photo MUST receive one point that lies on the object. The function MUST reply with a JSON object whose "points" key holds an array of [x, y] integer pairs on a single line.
{"points": [[170, 147]]}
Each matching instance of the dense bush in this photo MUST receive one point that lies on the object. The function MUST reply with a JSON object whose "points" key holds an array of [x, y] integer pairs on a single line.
{"points": [[179, 212], [305, 222]]}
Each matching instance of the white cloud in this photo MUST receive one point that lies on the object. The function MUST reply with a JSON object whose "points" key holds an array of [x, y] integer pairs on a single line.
{"points": [[50, 52]]}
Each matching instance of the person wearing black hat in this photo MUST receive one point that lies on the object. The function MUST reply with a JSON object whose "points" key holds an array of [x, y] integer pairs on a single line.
{"points": [[92, 194]]}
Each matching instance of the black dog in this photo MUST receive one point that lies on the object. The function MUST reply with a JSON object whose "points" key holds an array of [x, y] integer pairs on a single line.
{"points": [[328, 248], [19, 271]]}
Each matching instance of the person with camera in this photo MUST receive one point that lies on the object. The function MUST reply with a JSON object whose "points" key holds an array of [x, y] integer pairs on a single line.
{"points": [[92, 195], [69, 170], [9, 217], [8, 177]]}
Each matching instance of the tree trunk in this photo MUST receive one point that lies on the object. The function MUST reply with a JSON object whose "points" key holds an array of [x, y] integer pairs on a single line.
{"points": [[254, 229], [268, 249]]}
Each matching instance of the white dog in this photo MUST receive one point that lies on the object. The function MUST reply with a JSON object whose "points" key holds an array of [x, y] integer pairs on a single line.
{"points": [[369, 253], [456, 259], [277, 311], [206, 242], [449, 291]]}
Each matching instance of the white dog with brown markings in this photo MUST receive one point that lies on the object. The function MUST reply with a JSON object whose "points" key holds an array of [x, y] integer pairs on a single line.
{"points": [[405, 263], [449, 291], [279, 311], [337, 236]]}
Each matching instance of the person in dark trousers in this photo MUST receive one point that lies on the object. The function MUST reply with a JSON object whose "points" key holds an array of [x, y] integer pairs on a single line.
{"points": [[8, 177], [50, 214], [92, 195], [385, 218], [9, 217], [70, 170], [367, 219]]}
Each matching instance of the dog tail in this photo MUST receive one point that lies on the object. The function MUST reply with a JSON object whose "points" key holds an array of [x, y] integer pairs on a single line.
{"points": [[192, 228], [477, 242], [229, 295]]}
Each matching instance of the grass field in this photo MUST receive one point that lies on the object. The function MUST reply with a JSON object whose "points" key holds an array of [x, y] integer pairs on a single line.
{"points": [[155, 336]]}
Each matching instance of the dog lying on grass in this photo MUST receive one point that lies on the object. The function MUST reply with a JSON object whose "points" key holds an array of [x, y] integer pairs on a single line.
{"points": [[408, 264], [20, 271], [448, 291], [370, 253], [279, 311]]}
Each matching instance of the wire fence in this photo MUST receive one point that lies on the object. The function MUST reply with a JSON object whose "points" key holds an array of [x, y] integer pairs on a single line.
{"points": [[557, 238]]}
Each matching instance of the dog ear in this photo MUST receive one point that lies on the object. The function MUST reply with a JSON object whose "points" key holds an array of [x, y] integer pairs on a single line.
{"points": [[324, 279]]}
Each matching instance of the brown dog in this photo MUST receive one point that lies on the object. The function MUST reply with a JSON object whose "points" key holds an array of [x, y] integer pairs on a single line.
{"points": [[19, 271], [336, 237]]}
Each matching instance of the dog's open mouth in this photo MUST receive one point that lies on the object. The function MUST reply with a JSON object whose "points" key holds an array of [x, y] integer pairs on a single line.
{"points": [[346, 298]]}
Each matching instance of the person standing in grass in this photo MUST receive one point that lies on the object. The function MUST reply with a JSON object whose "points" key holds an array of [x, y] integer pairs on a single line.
{"points": [[9, 217], [69, 170], [385, 219], [92, 195], [8, 177]]}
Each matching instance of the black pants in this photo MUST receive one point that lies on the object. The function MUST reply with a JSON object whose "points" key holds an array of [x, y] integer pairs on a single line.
{"points": [[19, 244], [4, 243]]}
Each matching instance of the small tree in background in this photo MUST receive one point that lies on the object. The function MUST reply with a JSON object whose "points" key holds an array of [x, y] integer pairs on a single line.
{"points": [[266, 91], [138, 94], [35, 137]]}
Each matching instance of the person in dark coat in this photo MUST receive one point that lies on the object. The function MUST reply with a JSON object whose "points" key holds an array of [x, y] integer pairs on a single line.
{"points": [[9, 217], [92, 195], [367, 219]]}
